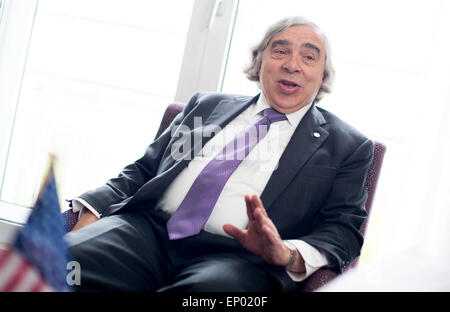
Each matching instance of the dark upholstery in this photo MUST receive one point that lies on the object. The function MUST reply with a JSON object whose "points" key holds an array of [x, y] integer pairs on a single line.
{"points": [[171, 111], [322, 276]]}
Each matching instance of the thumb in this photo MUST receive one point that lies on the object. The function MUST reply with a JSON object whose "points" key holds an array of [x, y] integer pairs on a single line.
{"points": [[234, 232]]}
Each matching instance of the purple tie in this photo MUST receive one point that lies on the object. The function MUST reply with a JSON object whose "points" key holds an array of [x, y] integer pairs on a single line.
{"points": [[201, 198]]}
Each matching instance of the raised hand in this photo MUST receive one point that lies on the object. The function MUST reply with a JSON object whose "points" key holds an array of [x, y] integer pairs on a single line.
{"points": [[261, 236]]}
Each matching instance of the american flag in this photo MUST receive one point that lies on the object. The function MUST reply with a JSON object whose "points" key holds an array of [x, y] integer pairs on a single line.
{"points": [[36, 259]]}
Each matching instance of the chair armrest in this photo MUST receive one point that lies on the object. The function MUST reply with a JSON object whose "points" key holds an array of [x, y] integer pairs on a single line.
{"points": [[318, 279]]}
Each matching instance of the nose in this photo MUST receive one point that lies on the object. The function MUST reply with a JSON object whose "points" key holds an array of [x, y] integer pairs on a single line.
{"points": [[292, 65]]}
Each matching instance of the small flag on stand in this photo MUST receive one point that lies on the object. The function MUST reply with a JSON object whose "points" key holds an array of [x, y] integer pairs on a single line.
{"points": [[36, 259]]}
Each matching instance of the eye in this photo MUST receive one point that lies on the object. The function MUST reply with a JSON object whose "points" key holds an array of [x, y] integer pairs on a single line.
{"points": [[279, 52], [309, 57]]}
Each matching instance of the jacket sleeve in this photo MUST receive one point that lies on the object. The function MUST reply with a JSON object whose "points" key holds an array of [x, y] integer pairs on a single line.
{"points": [[336, 228], [135, 175]]}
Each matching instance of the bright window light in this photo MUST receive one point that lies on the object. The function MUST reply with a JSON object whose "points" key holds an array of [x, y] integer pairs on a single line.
{"points": [[98, 77]]}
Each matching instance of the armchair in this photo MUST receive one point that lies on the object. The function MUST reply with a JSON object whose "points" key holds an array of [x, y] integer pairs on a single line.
{"points": [[322, 276]]}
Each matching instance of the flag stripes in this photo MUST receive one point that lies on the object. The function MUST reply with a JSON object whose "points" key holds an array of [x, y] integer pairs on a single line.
{"points": [[17, 274], [37, 257]]}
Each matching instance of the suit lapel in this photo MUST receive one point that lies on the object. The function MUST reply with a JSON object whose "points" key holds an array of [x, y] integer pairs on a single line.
{"points": [[227, 110], [224, 112], [307, 138]]}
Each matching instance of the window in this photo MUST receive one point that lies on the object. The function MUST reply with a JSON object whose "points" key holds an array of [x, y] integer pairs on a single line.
{"points": [[96, 71], [15, 27], [1, 10]]}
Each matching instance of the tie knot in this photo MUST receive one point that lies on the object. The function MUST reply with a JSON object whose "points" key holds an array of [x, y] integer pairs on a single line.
{"points": [[273, 115]]}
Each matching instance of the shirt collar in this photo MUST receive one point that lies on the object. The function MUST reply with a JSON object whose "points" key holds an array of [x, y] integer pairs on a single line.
{"points": [[293, 118]]}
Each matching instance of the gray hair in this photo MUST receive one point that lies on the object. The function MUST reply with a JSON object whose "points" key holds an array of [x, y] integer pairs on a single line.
{"points": [[252, 71]]}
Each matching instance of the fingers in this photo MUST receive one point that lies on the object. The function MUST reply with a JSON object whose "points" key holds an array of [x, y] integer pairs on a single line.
{"points": [[234, 232], [257, 211], [272, 237], [261, 236], [257, 214], [257, 203], [253, 203], [265, 225], [249, 205]]}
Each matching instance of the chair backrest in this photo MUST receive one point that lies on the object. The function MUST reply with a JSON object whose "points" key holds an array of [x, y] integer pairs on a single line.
{"points": [[171, 111], [371, 185], [372, 178]]}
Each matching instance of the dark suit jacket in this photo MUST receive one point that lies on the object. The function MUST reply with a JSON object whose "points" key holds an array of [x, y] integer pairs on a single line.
{"points": [[316, 194]]}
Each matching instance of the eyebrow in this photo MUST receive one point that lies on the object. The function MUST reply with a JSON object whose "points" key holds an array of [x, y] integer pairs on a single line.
{"points": [[309, 45], [306, 45], [281, 42]]}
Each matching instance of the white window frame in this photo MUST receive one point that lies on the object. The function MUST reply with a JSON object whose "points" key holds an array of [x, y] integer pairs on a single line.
{"points": [[16, 25], [207, 47]]}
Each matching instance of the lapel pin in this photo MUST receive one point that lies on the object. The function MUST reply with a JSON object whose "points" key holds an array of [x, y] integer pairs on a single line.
{"points": [[316, 134]]}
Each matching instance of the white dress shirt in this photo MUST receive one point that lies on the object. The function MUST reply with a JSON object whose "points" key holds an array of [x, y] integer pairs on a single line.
{"points": [[250, 178]]}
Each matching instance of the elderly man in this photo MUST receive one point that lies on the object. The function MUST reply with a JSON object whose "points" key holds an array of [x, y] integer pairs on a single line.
{"points": [[259, 213]]}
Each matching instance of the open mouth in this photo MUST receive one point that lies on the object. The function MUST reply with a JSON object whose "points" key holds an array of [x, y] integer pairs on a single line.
{"points": [[288, 86]]}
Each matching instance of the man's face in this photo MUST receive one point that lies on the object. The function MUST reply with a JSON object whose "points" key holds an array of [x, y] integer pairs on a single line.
{"points": [[292, 68]]}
